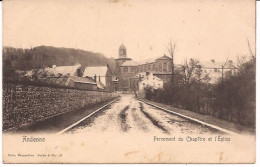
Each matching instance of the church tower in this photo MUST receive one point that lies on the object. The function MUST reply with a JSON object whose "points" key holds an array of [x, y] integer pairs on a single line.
{"points": [[122, 57], [122, 51]]}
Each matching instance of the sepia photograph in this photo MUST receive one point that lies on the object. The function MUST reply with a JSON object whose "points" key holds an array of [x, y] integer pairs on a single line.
{"points": [[128, 81]]}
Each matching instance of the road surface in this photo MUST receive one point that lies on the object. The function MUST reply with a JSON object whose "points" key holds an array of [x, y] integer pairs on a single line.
{"points": [[129, 115]]}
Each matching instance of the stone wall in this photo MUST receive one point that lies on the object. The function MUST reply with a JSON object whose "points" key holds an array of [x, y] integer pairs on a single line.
{"points": [[25, 104]]}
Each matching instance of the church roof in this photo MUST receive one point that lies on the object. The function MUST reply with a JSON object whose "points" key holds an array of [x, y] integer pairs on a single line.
{"points": [[147, 61], [130, 63], [164, 58]]}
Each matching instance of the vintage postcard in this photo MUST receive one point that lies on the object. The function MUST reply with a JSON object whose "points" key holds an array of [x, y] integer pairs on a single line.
{"points": [[129, 81]]}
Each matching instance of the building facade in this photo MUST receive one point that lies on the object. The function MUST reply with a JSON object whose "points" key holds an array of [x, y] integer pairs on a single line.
{"points": [[128, 68], [82, 83], [102, 75]]}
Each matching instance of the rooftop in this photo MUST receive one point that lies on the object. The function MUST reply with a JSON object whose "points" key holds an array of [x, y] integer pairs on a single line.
{"points": [[148, 61], [213, 64], [164, 57], [130, 63], [97, 70], [64, 70], [82, 80]]}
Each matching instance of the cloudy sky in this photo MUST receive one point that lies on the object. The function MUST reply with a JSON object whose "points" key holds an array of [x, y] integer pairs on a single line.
{"points": [[203, 29]]}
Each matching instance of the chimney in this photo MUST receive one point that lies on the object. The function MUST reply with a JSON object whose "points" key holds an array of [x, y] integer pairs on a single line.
{"points": [[95, 78], [79, 73]]}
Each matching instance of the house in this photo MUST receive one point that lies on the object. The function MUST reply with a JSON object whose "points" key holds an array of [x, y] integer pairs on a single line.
{"points": [[215, 69], [102, 75], [144, 79], [82, 83], [68, 76], [151, 81], [74, 70]]}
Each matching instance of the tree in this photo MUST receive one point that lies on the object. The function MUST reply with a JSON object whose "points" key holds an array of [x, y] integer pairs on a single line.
{"points": [[171, 52], [235, 97], [250, 49], [189, 68]]}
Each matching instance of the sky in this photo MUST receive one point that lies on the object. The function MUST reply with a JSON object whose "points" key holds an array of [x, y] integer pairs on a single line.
{"points": [[202, 29]]}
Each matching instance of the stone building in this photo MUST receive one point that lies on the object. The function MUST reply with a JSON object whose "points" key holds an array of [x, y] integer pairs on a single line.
{"points": [[128, 68], [82, 83], [102, 75]]}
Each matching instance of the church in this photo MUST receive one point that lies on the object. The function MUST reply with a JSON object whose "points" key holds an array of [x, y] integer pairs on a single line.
{"points": [[129, 72]]}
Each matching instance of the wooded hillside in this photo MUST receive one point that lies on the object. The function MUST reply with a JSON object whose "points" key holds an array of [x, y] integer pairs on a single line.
{"points": [[46, 56]]}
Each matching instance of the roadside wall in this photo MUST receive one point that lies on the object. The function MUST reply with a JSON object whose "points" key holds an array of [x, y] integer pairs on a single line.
{"points": [[25, 104]]}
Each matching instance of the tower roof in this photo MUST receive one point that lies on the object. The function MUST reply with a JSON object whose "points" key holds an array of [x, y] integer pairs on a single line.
{"points": [[122, 46]]}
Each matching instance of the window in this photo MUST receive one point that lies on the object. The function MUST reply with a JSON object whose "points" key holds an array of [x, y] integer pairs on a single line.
{"points": [[160, 67], [119, 70], [154, 67], [215, 70], [125, 69], [149, 68], [132, 69], [145, 68], [164, 67]]}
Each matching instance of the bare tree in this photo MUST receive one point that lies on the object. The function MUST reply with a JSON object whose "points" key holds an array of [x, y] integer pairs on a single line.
{"points": [[189, 68], [240, 60], [171, 52], [250, 49]]}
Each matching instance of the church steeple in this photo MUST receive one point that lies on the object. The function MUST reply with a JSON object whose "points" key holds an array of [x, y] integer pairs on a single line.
{"points": [[122, 57], [122, 51]]}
